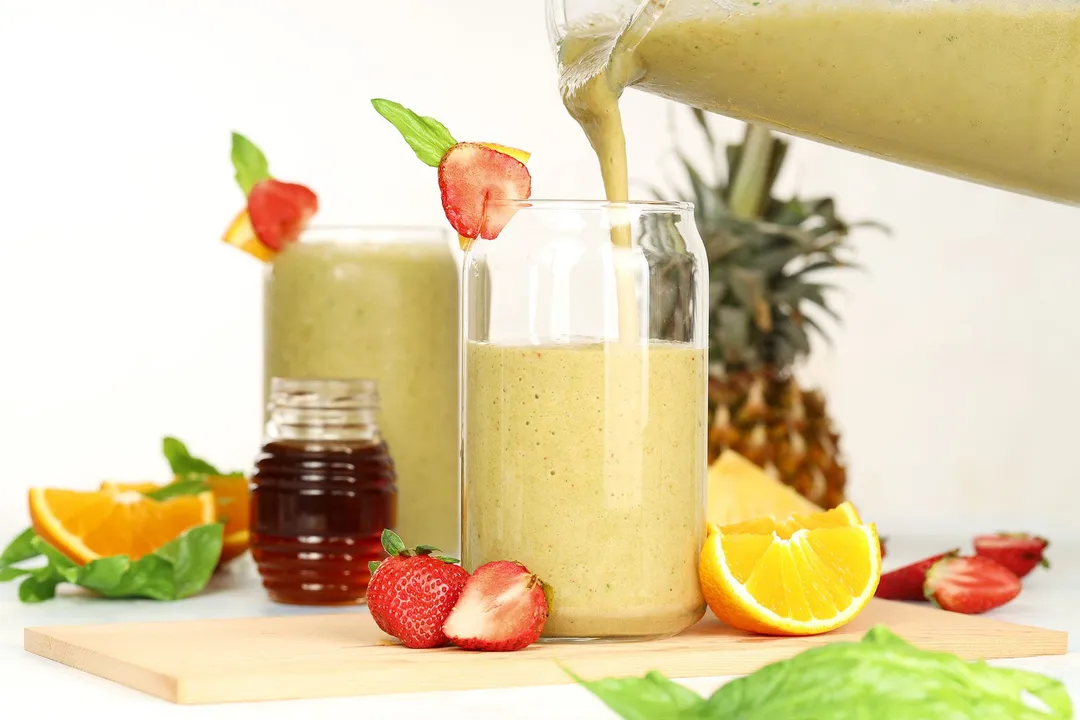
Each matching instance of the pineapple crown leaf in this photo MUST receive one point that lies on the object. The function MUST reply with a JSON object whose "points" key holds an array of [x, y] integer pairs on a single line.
{"points": [[767, 256]]}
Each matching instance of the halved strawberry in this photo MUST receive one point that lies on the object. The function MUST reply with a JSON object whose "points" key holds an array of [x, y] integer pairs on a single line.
{"points": [[1020, 552], [279, 211], [970, 585], [472, 179], [503, 607], [906, 583]]}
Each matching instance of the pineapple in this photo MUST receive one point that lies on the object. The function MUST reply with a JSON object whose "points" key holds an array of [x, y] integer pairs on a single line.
{"points": [[767, 257]]}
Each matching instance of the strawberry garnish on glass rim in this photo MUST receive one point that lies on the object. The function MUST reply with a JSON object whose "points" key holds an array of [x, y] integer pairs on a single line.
{"points": [[473, 176], [276, 212]]}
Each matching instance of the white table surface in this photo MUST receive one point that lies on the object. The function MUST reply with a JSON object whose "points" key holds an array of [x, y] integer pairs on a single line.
{"points": [[1051, 598]]}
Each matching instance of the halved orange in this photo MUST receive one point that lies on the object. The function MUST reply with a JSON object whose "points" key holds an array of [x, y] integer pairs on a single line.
{"points": [[232, 501], [811, 582], [842, 515], [87, 525]]}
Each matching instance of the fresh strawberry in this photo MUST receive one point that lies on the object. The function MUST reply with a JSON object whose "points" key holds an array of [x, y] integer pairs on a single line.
{"points": [[906, 583], [502, 608], [412, 592], [1020, 552], [472, 179], [970, 585], [279, 211]]}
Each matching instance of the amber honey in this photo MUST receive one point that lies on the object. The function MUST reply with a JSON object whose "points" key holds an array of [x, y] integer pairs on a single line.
{"points": [[322, 492]]}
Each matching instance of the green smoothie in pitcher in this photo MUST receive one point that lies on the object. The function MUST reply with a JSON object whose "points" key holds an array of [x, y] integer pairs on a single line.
{"points": [[978, 89]]}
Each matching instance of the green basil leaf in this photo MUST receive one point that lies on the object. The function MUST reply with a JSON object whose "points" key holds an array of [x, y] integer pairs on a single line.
{"points": [[880, 678], [646, 698], [7, 574], [178, 569], [885, 678], [194, 557], [34, 588], [151, 576], [428, 137], [20, 549], [181, 462], [59, 564], [249, 161], [102, 574]]}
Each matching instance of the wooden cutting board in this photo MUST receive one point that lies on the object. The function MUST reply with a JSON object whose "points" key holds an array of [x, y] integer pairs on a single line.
{"points": [[313, 656]]}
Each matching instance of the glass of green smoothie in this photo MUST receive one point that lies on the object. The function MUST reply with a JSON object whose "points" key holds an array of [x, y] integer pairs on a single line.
{"points": [[584, 411], [382, 304]]}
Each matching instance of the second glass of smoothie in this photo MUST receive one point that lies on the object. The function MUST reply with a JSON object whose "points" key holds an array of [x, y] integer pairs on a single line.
{"points": [[380, 303], [584, 411]]}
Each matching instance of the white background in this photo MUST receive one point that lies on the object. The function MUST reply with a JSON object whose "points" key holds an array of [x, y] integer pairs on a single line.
{"points": [[123, 318]]}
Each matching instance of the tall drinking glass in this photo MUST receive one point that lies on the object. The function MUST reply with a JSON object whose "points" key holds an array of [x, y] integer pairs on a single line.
{"points": [[382, 304], [584, 411]]}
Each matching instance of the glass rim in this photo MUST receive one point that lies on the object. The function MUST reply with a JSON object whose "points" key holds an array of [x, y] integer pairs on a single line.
{"points": [[368, 233], [560, 203]]}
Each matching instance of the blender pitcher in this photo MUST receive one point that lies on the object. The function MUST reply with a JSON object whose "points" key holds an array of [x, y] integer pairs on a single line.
{"points": [[982, 90]]}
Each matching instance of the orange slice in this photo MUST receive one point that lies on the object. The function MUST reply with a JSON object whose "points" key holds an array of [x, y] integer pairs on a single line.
{"points": [[241, 234], [233, 502], [812, 582], [143, 487], [86, 525], [842, 515]]}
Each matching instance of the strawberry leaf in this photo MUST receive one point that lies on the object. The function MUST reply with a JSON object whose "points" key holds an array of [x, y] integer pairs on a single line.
{"points": [[250, 163], [428, 137], [372, 566]]}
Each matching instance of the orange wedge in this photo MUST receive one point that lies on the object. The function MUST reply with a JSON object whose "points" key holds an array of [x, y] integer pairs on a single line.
{"points": [[231, 500], [842, 515], [241, 234], [812, 581], [87, 525]]}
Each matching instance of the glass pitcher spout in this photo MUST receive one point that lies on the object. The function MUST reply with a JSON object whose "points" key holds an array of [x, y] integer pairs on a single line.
{"points": [[982, 90]]}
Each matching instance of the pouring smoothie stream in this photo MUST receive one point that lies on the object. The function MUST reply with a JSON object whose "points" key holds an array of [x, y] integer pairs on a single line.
{"points": [[980, 90]]}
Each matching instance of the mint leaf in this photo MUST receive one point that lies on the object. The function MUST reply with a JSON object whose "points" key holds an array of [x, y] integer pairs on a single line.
{"points": [[19, 549], [193, 484], [249, 161], [647, 698], [428, 137]]}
